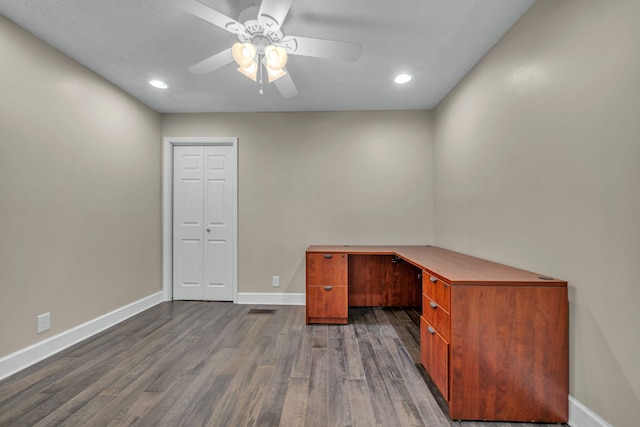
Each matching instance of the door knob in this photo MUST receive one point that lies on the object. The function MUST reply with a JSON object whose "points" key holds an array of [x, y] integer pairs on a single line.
{"points": [[208, 230]]}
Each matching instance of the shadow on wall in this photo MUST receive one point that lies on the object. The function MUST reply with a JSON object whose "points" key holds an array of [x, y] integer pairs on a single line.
{"points": [[618, 401], [299, 279]]}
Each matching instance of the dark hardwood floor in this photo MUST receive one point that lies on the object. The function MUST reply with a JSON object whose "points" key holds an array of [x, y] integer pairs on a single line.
{"points": [[187, 363]]}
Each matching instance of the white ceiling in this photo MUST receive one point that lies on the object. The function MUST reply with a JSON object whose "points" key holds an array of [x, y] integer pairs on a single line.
{"points": [[129, 42]]}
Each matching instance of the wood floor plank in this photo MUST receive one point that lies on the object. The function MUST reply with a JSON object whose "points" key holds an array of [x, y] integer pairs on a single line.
{"points": [[295, 403], [83, 414], [360, 403], [317, 395], [203, 393], [383, 410], [356, 318], [60, 393], [250, 399], [353, 360], [339, 410], [201, 406], [274, 400], [302, 362], [191, 363]]}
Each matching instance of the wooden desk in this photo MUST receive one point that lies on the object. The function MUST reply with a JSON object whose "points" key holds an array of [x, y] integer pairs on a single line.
{"points": [[493, 338]]}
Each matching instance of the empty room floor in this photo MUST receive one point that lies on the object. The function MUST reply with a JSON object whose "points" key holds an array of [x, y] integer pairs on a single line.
{"points": [[188, 363]]}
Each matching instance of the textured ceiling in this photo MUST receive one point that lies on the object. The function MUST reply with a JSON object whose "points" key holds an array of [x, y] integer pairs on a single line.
{"points": [[129, 42]]}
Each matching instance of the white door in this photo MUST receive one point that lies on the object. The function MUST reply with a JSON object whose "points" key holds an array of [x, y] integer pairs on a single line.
{"points": [[203, 222]]}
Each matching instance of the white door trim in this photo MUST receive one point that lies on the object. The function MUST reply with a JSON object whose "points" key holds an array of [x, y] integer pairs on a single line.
{"points": [[167, 208]]}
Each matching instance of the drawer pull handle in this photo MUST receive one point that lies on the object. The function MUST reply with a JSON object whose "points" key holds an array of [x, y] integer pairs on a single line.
{"points": [[328, 288], [433, 304], [433, 279], [431, 330], [328, 256]]}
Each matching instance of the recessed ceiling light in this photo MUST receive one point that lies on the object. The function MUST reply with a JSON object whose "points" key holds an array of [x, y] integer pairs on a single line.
{"points": [[402, 79], [158, 83]]}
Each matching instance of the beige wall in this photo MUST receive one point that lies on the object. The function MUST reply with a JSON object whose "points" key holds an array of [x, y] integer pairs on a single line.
{"points": [[79, 193], [321, 178], [536, 165], [537, 162]]}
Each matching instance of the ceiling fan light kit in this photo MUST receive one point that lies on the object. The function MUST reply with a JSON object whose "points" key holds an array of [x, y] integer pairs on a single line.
{"points": [[263, 44], [243, 53], [276, 57], [275, 74], [251, 71]]}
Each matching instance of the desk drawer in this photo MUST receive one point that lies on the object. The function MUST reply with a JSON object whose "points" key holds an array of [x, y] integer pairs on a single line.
{"points": [[327, 269], [435, 315], [438, 290], [329, 302], [434, 355]]}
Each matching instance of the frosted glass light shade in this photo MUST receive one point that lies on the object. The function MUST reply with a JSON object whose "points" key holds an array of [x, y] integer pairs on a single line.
{"points": [[251, 71], [275, 74], [243, 54], [276, 57]]}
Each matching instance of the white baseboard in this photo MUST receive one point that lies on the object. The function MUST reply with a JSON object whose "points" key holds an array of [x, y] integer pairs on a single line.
{"points": [[271, 298], [581, 416], [28, 356]]}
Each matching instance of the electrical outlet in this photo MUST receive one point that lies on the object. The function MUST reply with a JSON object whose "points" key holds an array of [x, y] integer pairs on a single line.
{"points": [[276, 281], [44, 322]]}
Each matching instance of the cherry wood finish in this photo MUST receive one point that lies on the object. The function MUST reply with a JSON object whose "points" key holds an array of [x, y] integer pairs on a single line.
{"points": [[436, 316], [453, 267], [367, 280], [381, 281], [510, 353], [494, 338], [437, 290], [402, 280], [329, 304], [327, 293], [327, 269], [434, 355]]}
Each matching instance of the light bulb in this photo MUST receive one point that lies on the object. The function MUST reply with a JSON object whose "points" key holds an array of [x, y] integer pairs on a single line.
{"points": [[402, 79], [276, 57], [243, 53], [159, 84]]}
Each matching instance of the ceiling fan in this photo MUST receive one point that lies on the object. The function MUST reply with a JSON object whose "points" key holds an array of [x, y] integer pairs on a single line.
{"points": [[262, 44]]}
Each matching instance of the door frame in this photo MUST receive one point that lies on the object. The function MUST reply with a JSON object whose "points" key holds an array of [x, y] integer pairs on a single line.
{"points": [[167, 207]]}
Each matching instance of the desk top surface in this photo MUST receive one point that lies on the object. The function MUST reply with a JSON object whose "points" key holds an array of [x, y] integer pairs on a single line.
{"points": [[453, 267]]}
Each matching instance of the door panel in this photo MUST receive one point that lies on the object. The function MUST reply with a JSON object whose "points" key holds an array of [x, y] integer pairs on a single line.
{"points": [[191, 262], [204, 216], [215, 202], [218, 270], [218, 195], [191, 202], [187, 222]]}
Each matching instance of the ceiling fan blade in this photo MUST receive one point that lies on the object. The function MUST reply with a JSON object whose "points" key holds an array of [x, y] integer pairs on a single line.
{"points": [[272, 13], [285, 86], [208, 14], [321, 48], [212, 63]]}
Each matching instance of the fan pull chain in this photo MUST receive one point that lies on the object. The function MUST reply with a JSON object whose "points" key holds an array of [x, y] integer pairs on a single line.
{"points": [[261, 66]]}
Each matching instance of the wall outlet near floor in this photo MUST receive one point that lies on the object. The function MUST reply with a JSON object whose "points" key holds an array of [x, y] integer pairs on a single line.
{"points": [[276, 281], [44, 322]]}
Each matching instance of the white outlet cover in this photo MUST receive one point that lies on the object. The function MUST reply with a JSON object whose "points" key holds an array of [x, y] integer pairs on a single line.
{"points": [[44, 322], [276, 281]]}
